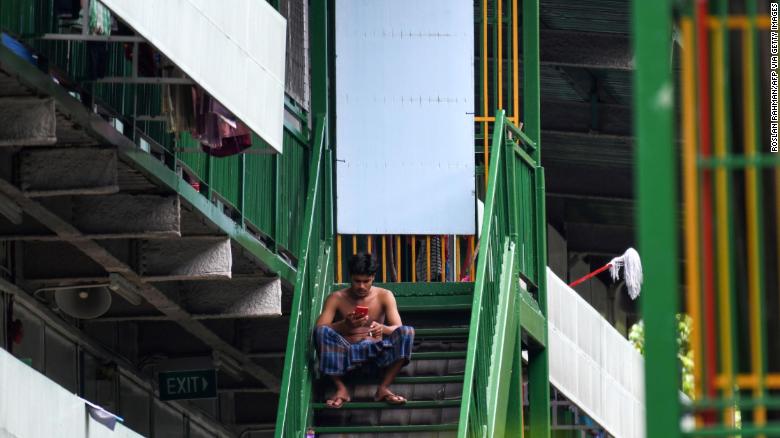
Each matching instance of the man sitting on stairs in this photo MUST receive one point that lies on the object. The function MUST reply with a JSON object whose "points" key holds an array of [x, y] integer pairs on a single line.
{"points": [[346, 339]]}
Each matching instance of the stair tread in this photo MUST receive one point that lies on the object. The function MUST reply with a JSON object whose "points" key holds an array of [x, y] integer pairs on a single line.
{"points": [[387, 429], [420, 307], [439, 355], [443, 331], [412, 380], [453, 378], [414, 404]]}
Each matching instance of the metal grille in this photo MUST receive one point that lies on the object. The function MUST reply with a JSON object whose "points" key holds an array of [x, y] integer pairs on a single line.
{"points": [[297, 63]]}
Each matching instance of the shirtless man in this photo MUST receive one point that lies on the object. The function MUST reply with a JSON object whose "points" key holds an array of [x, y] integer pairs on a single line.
{"points": [[346, 340]]}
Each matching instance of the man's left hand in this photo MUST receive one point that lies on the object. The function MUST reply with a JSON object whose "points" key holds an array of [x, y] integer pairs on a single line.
{"points": [[375, 330]]}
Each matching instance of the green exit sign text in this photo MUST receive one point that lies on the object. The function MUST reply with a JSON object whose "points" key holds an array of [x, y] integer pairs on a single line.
{"points": [[177, 385]]}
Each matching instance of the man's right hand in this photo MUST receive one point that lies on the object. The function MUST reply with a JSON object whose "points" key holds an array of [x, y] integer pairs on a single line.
{"points": [[354, 320]]}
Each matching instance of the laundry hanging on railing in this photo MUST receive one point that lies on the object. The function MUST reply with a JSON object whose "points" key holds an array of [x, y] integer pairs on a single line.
{"points": [[99, 23], [190, 109]]}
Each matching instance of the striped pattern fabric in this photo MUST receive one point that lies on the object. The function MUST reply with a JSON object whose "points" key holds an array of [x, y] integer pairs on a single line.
{"points": [[337, 356]]}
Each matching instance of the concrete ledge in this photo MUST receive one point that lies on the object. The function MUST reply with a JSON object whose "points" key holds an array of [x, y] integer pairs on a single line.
{"points": [[68, 171], [27, 121], [127, 216], [195, 258]]}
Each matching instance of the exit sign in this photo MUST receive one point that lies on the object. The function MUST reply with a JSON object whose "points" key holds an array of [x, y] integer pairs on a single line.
{"points": [[177, 385]]}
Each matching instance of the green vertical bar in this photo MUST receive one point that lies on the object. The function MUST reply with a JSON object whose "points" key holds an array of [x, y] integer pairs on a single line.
{"points": [[241, 188], [277, 227], [511, 190], [753, 60], [538, 361], [494, 33], [319, 43], [208, 176], [658, 211], [531, 94], [514, 424], [538, 365]]}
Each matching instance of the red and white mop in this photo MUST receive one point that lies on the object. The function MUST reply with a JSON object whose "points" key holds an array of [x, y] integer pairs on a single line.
{"points": [[632, 272]]}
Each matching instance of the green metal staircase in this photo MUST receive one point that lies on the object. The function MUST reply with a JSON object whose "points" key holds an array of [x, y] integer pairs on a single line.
{"points": [[467, 372], [433, 381]]}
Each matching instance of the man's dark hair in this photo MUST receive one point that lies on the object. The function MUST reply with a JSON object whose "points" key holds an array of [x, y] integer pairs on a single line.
{"points": [[362, 263]]}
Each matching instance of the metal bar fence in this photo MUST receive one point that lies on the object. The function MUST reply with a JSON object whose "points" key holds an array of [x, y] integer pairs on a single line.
{"points": [[730, 195]]}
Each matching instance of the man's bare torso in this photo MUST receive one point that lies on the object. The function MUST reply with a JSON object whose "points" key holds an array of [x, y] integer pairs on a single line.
{"points": [[375, 301]]}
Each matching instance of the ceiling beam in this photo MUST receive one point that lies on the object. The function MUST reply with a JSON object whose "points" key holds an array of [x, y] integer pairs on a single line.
{"points": [[568, 116], [599, 238], [595, 50], [573, 149]]}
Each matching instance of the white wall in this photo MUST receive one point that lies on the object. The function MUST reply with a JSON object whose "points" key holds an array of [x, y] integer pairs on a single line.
{"points": [[32, 406], [592, 364], [404, 116]]}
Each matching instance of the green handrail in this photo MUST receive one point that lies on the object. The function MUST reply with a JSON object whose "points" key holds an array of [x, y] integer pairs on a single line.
{"points": [[509, 233], [313, 282]]}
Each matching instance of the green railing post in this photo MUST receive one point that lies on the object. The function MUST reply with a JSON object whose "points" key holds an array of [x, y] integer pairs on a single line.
{"points": [[538, 360], [538, 365], [657, 193], [295, 361]]}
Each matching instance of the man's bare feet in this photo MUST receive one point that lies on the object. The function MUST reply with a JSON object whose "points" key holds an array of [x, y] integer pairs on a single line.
{"points": [[384, 394], [339, 398]]}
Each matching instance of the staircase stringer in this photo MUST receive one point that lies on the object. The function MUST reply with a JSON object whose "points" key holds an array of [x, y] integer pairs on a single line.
{"points": [[504, 338]]}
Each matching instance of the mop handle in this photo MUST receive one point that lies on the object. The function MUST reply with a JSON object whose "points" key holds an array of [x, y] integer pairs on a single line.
{"points": [[591, 275]]}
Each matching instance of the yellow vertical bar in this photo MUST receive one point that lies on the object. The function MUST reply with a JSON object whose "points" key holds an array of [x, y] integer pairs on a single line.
{"points": [[414, 259], [500, 20], [471, 258], [485, 96], [428, 256], [722, 242], [398, 258], [354, 244], [456, 259], [751, 207], [369, 240], [443, 257], [691, 201], [515, 69], [338, 259], [384, 258]]}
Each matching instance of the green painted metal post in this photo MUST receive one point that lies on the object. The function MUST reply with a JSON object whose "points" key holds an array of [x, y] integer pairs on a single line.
{"points": [[319, 43], [514, 423], [531, 88], [657, 191], [538, 360], [538, 364]]}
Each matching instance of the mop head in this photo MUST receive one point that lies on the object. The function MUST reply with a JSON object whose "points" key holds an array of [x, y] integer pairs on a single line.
{"points": [[632, 271]]}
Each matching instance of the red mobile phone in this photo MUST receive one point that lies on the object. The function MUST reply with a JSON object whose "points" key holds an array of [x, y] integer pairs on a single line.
{"points": [[361, 311]]}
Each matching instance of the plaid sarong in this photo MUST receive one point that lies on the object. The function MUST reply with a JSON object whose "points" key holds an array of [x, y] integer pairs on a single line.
{"points": [[337, 356]]}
